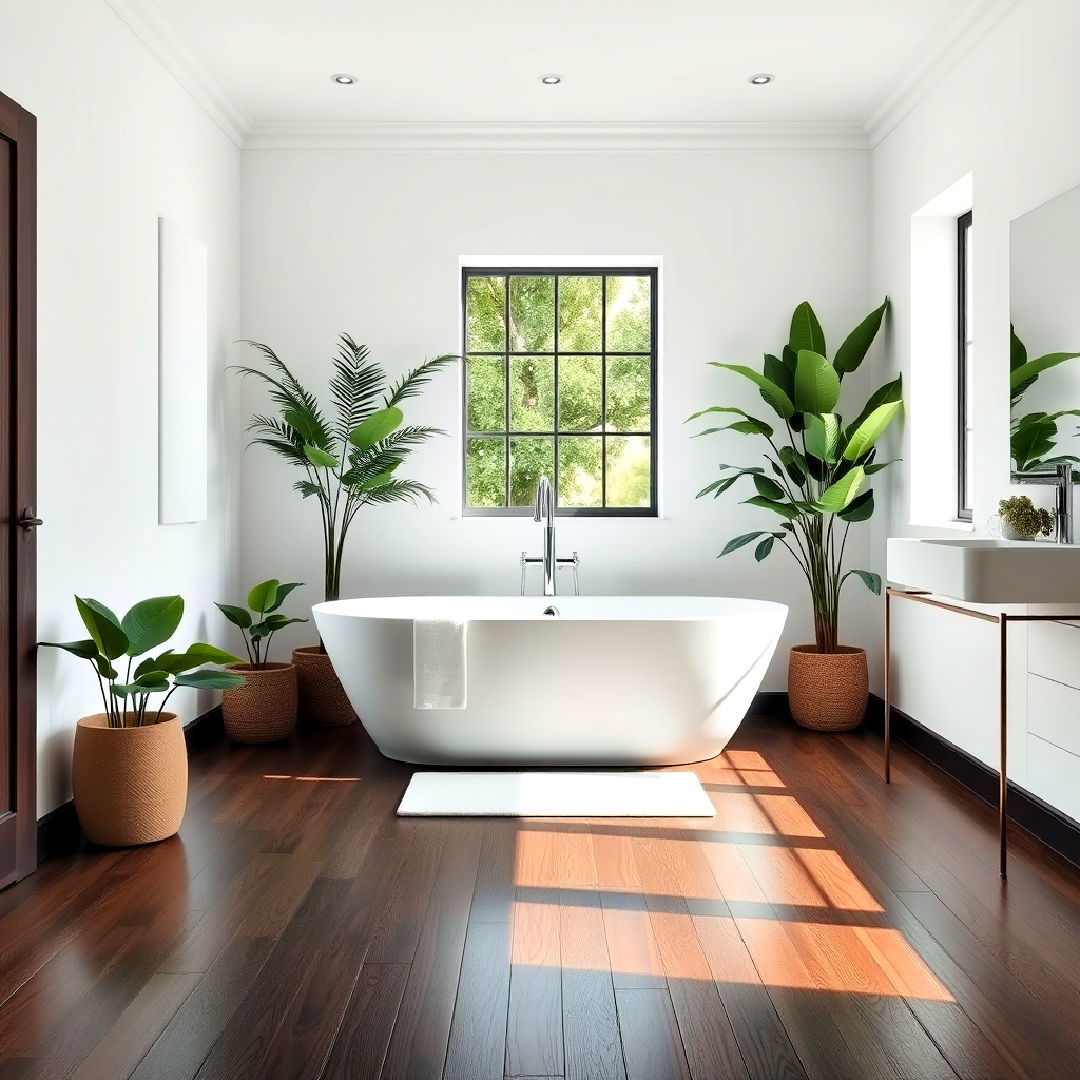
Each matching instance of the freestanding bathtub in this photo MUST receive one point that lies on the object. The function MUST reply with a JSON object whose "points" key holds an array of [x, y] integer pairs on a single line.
{"points": [[610, 680]]}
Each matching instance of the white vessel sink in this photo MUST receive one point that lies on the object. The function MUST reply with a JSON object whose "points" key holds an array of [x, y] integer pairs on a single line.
{"points": [[987, 571]]}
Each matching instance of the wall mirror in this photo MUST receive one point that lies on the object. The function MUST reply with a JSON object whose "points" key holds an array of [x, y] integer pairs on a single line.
{"points": [[1044, 378]]}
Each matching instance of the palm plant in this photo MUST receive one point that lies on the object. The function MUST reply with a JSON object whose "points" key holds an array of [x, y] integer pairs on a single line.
{"points": [[349, 460], [1034, 435], [147, 625], [820, 469]]}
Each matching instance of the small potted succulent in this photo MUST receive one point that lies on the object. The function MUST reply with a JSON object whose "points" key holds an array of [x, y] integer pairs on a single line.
{"points": [[1021, 519], [264, 708], [129, 770]]}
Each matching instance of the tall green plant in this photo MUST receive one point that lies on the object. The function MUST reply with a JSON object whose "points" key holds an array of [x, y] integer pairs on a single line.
{"points": [[348, 461], [819, 467], [119, 642], [1033, 437]]}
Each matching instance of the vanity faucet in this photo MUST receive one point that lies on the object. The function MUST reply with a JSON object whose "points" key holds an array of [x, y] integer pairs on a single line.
{"points": [[1059, 477], [544, 511]]}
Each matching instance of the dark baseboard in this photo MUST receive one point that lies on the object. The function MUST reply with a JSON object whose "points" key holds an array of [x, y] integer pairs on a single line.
{"points": [[58, 832]]}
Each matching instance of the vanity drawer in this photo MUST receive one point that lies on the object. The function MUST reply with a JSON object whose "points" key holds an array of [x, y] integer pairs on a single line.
{"points": [[1054, 775], [1054, 713], [1054, 651]]}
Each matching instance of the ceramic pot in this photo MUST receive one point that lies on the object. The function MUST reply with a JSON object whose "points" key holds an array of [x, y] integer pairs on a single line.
{"points": [[263, 709], [828, 691], [322, 699], [130, 784]]}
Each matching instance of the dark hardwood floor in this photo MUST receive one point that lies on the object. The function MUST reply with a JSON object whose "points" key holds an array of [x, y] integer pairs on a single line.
{"points": [[821, 926]]}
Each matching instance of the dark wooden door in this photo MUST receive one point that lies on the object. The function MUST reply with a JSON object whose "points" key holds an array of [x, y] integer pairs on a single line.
{"points": [[18, 524]]}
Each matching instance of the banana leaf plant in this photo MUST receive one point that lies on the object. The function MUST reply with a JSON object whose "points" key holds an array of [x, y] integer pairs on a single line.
{"points": [[116, 642], [816, 468], [349, 459], [1033, 437], [263, 620]]}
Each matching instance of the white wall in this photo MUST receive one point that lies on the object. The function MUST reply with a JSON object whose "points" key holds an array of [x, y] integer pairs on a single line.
{"points": [[120, 143], [371, 243], [1007, 113]]}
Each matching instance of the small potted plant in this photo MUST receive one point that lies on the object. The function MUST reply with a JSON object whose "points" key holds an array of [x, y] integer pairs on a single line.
{"points": [[264, 708], [1021, 519], [129, 769], [348, 459]]}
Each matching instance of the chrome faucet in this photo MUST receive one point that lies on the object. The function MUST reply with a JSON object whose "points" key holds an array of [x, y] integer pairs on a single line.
{"points": [[544, 511], [1059, 477]]}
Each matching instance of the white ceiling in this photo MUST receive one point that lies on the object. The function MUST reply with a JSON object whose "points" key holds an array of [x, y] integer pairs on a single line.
{"points": [[621, 60]]}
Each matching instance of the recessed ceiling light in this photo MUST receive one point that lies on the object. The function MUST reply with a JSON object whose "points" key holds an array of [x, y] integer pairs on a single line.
{"points": [[762, 78], [551, 80], [343, 79]]}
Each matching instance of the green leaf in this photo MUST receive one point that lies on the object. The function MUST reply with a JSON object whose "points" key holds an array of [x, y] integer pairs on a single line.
{"points": [[152, 622], [1022, 377], [795, 464], [282, 592], [103, 627], [211, 680], [769, 390], [376, 427], [307, 424], [152, 663], [806, 332], [879, 465], [210, 654], [263, 595], [892, 391], [861, 508], [319, 457], [238, 616], [776, 371], [863, 438], [276, 622], [153, 682], [85, 649], [104, 668], [741, 541], [1017, 352], [788, 510], [870, 580], [750, 426], [376, 481], [840, 495], [770, 489], [822, 435], [1031, 441], [817, 386], [852, 353], [761, 552]]}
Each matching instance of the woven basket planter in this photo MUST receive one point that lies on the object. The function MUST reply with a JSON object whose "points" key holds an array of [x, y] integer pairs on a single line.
{"points": [[263, 710], [130, 784], [323, 701], [828, 691]]}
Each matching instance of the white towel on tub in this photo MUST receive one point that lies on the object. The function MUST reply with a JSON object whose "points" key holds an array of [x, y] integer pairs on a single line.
{"points": [[439, 664]]}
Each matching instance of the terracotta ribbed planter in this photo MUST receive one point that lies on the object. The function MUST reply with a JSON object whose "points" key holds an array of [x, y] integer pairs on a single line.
{"points": [[263, 709], [828, 691], [323, 701], [130, 784]]}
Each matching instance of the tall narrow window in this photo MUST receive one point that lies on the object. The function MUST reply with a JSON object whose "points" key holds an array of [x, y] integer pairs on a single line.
{"points": [[965, 356], [560, 380]]}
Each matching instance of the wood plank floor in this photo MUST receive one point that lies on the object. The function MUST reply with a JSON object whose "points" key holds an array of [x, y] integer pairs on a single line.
{"points": [[821, 926]]}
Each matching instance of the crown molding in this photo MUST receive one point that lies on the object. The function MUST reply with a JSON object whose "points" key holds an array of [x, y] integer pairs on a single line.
{"points": [[938, 54], [148, 24], [579, 137]]}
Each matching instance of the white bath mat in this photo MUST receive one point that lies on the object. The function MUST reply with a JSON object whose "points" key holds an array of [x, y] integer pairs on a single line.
{"points": [[555, 794]]}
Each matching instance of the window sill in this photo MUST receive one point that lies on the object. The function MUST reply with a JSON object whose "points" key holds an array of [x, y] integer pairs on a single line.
{"points": [[953, 525]]}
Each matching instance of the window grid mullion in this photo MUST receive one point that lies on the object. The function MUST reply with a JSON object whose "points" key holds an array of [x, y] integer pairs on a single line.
{"points": [[603, 392], [506, 392], [555, 416]]}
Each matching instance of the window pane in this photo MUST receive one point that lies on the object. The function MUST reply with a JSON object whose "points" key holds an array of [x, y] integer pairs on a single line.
{"points": [[579, 471], [532, 393], [628, 393], [628, 307], [580, 301], [579, 393], [485, 314], [628, 471], [530, 458], [532, 314], [485, 472], [485, 393]]}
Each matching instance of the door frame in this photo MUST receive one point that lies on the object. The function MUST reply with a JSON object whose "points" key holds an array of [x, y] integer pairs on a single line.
{"points": [[20, 128]]}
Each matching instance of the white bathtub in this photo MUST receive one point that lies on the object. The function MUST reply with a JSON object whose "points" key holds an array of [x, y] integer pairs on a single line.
{"points": [[614, 680]]}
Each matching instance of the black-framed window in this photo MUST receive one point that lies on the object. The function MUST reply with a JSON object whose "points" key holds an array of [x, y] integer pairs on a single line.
{"points": [[965, 356], [560, 380]]}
